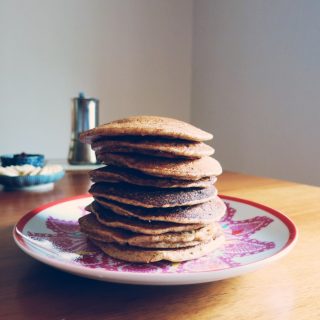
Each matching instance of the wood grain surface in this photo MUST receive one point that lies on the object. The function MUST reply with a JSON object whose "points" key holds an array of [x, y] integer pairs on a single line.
{"points": [[286, 289]]}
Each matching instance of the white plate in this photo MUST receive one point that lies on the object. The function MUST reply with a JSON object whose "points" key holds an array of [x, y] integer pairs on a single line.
{"points": [[255, 236]]}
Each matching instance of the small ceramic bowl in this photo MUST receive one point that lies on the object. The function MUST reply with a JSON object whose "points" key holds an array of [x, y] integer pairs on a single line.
{"points": [[28, 181], [36, 160]]}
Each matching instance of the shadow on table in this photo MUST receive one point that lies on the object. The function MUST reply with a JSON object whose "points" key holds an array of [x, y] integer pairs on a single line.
{"points": [[51, 294]]}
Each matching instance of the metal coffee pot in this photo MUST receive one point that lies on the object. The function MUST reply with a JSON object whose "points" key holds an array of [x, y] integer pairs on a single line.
{"points": [[84, 116]]}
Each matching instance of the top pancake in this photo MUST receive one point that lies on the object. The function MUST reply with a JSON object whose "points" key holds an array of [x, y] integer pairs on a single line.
{"points": [[154, 146], [147, 126], [184, 169]]}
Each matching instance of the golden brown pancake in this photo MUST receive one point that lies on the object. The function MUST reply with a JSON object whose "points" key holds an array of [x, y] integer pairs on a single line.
{"points": [[145, 255], [147, 126], [168, 148], [153, 245], [90, 226], [184, 169], [151, 197], [117, 174], [110, 219], [205, 213]]}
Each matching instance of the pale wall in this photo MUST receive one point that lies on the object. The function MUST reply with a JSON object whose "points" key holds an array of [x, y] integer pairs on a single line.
{"points": [[256, 84], [255, 74], [135, 55]]}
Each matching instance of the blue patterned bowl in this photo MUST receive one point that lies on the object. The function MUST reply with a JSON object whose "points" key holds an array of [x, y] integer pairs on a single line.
{"points": [[36, 160], [27, 181]]}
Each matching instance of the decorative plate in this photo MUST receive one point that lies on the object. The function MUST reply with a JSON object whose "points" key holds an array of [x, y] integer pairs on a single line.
{"points": [[255, 236]]}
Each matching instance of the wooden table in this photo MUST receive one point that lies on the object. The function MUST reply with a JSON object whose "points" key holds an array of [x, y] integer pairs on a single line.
{"points": [[287, 289]]}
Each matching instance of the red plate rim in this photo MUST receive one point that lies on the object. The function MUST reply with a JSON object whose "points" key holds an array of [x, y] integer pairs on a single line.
{"points": [[288, 222], [293, 233]]}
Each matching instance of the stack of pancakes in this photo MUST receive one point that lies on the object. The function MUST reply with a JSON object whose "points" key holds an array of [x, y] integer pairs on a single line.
{"points": [[155, 200]]}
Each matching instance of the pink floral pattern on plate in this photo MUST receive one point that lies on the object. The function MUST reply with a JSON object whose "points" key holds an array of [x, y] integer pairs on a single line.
{"points": [[68, 244]]}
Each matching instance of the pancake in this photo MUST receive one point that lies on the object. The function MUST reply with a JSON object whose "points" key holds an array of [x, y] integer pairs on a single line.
{"points": [[110, 219], [145, 255], [154, 146], [147, 126], [184, 169], [90, 226], [151, 197], [153, 245], [131, 176], [205, 213]]}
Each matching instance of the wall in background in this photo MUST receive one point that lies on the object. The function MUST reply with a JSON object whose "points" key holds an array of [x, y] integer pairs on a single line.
{"points": [[256, 76], [134, 55], [254, 67]]}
